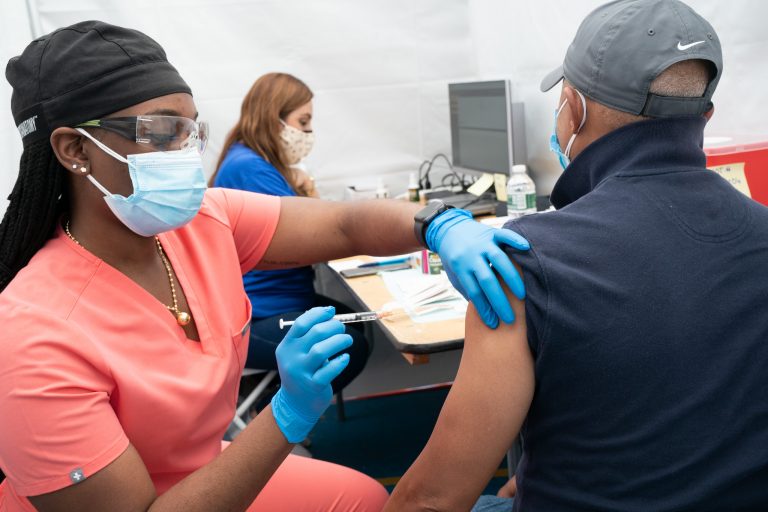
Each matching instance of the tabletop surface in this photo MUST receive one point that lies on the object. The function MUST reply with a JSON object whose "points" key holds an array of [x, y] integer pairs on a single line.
{"points": [[405, 334]]}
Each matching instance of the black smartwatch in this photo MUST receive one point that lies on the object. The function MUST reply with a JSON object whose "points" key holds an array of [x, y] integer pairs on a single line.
{"points": [[426, 215]]}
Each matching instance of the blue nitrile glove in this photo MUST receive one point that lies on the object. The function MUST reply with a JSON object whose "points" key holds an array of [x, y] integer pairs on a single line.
{"points": [[306, 372], [467, 249]]}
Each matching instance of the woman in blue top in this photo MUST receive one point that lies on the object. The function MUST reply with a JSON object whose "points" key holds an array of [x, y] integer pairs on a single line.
{"points": [[273, 134]]}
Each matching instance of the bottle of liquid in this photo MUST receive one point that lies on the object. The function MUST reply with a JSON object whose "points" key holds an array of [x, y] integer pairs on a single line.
{"points": [[382, 192], [521, 193], [413, 188]]}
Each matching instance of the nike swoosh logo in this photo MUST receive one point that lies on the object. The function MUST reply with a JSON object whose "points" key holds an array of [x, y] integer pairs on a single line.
{"points": [[682, 47]]}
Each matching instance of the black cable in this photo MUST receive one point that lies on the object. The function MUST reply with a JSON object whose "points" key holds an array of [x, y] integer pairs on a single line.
{"points": [[460, 179], [428, 163], [424, 182], [452, 181], [450, 165]]}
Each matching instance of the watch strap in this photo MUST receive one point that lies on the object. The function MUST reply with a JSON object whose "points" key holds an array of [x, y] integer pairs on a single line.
{"points": [[424, 217]]}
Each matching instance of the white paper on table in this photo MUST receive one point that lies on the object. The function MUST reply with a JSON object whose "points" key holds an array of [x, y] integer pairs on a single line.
{"points": [[424, 297]]}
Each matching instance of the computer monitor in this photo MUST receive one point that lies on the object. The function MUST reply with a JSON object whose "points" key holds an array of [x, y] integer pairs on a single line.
{"points": [[487, 129]]}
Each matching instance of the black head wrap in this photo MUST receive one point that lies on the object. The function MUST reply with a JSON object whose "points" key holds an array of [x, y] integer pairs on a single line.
{"points": [[83, 72]]}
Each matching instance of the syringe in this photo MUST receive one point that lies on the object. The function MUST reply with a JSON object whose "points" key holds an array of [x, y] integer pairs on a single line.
{"points": [[348, 318]]}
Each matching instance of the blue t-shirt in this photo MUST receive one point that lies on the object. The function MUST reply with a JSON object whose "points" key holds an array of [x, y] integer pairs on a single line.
{"points": [[272, 292], [647, 315]]}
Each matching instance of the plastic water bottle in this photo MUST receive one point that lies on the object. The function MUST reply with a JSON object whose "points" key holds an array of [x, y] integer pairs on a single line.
{"points": [[521, 193]]}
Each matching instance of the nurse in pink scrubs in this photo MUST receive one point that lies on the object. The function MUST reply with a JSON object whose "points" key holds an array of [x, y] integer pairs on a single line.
{"points": [[125, 322]]}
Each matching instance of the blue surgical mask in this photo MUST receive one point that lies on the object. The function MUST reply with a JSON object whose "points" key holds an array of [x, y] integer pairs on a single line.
{"points": [[554, 144], [168, 189]]}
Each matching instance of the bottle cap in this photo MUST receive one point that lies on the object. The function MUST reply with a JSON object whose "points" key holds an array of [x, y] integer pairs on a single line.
{"points": [[519, 168], [412, 183]]}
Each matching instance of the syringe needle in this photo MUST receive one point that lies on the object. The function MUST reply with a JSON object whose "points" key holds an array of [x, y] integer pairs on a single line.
{"points": [[348, 318]]}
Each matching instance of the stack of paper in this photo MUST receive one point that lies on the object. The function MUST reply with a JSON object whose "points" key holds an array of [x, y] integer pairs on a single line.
{"points": [[425, 298]]}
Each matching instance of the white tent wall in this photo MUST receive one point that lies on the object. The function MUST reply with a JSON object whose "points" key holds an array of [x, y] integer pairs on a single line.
{"points": [[15, 34], [379, 68], [524, 39]]}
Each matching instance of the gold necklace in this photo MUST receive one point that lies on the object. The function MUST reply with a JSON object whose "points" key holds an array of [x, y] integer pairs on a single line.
{"points": [[182, 317]]}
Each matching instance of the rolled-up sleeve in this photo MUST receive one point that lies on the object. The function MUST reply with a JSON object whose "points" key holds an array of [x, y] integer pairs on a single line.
{"points": [[252, 218]]}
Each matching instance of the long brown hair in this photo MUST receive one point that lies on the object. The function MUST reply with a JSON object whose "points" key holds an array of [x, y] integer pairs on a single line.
{"points": [[271, 98]]}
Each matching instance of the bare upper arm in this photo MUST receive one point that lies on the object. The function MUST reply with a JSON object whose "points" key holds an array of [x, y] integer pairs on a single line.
{"points": [[479, 421], [312, 230], [308, 231], [122, 486]]}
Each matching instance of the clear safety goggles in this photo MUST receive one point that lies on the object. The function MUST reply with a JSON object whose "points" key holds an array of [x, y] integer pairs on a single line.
{"points": [[163, 133]]}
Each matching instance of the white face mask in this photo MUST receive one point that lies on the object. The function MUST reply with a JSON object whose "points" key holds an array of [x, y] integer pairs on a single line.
{"points": [[297, 144]]}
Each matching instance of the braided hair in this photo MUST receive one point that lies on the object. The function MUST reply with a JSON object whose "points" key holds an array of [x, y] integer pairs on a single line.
{"points": [[37, 200], [132, 68]]}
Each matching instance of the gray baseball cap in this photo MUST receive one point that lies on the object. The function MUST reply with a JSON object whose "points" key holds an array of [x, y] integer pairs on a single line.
{"points": [[622, 46]]}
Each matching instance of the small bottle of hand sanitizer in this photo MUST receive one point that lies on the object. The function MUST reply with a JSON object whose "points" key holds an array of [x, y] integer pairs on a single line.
{"points": [[413, 188]]}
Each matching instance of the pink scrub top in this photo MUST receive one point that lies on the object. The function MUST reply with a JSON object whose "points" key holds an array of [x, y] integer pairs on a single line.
{"points": [[90, 361]]}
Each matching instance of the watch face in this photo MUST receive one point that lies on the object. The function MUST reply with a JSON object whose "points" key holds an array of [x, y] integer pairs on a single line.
{"points": [[430, 210]]}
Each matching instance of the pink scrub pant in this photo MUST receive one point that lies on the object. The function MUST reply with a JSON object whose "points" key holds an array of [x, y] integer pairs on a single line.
{"points": [[301, 484]]}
